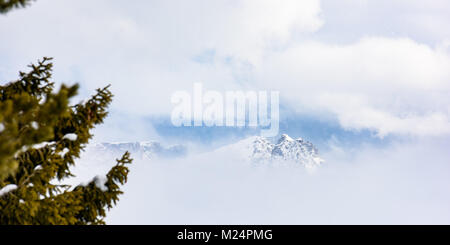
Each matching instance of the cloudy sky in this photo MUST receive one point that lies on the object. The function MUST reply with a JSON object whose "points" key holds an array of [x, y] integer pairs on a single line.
{"points": [[380, 66], [365, 76]]}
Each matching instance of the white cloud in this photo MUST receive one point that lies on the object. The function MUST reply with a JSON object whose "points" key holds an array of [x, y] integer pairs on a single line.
{"points": [[355, 114], [348, 20], [145, 49], [384, 84]]}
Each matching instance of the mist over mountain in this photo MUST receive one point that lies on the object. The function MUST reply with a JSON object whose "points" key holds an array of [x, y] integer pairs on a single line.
{"points": [[248, 178], [256, 150]]}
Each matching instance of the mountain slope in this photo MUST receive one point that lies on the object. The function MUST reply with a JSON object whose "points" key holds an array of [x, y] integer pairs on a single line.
{"points": [[143, 150]]}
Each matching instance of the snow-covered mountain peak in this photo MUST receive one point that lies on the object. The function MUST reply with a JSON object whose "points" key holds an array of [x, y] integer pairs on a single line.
{"points": [[260, 150], [285, 137], [299, 151]]}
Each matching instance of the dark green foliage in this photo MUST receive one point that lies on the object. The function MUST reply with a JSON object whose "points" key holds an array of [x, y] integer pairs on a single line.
{"points": [[34, 152], [7, 5]]}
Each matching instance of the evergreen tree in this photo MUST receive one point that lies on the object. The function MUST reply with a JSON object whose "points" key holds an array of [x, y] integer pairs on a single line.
{"points": [[7, 5], [40, 138]]}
